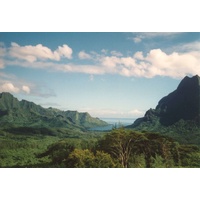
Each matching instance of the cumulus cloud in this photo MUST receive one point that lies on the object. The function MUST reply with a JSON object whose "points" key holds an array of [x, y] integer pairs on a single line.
{"points": [[26, 89], [11, 83], [138, 55], [110, 61], [175, 65], [9, 87], [155, 63], [64, 51], [83, 55], [184, 61], [39, 52]]}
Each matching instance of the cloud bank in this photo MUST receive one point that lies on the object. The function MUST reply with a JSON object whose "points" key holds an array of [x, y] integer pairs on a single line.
{"points": [[135, 113], [185, 60]]}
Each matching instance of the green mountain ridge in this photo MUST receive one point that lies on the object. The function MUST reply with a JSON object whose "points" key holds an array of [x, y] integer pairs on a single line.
{"points": [[15, 113], [177, 114]]}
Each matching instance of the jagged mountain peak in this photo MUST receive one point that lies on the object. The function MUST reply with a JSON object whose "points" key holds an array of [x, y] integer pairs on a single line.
{"points": [[189, 82], [8, 101], [6, 96], [24, 113], [182, 104]]}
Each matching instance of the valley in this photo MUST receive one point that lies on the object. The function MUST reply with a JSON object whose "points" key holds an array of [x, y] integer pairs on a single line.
{"points": [[167, 136]]}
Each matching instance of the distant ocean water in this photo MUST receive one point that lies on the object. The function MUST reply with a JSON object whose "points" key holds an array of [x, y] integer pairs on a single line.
{"points": [[114, 122]]}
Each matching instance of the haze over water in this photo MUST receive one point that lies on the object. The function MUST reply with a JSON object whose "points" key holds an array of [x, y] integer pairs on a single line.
{"points": [[114, 122]]}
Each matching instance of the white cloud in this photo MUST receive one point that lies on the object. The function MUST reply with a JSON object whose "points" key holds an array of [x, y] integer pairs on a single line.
{"points": [[175, 65], [136, 113], [39, 52], [83, 55], [138, 55], [116, 53], [155, 63], [32, 53], [26, 89], [110, 62], [149, 35], [11, 83], [65, 51], [9, 87], [1, 64], [137, 39], [192, 46]]}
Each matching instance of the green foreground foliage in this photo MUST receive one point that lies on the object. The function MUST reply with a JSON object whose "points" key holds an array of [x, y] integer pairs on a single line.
{"points": [[118, 148]]}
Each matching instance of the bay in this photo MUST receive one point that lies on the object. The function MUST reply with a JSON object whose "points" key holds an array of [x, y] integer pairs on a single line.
{"points": [[114, 123]]}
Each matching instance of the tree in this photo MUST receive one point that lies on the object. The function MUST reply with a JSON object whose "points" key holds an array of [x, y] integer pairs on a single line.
{"points": [[154, 145], [86, 159], [124, 145], [58, 152], [189, 155], [119, 144], [103, 160], [80, 159]]}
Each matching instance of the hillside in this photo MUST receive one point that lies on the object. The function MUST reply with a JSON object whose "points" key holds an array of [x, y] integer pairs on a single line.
{"points": [[15, 113], [177, 114]]}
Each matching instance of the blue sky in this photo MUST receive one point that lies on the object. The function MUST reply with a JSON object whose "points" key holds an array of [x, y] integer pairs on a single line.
{"points": [[106, 74]]}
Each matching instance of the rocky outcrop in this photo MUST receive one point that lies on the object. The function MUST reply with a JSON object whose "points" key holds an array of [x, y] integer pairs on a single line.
{"points": [[183, 104]]}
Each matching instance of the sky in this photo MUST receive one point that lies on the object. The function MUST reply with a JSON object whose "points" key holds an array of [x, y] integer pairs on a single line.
{"points": [[108, 74]]}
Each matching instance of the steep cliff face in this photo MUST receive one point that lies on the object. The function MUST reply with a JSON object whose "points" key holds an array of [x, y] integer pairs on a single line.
{"points": [[15, 113], [183, 104]]}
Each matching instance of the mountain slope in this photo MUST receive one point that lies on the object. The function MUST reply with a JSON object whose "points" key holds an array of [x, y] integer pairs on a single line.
{"points": [[178, 112], [14, 113]]}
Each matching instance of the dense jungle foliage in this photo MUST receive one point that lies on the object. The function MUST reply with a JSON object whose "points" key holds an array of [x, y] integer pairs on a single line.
{"points": [[120, 148]]}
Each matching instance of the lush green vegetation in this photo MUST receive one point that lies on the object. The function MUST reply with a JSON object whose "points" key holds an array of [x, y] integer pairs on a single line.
{"points": [[15, 114], [32, 136], [118, 148]]}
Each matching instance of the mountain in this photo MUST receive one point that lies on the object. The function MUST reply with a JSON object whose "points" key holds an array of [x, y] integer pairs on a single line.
{"points": [[15, 113], [178, 112]]}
